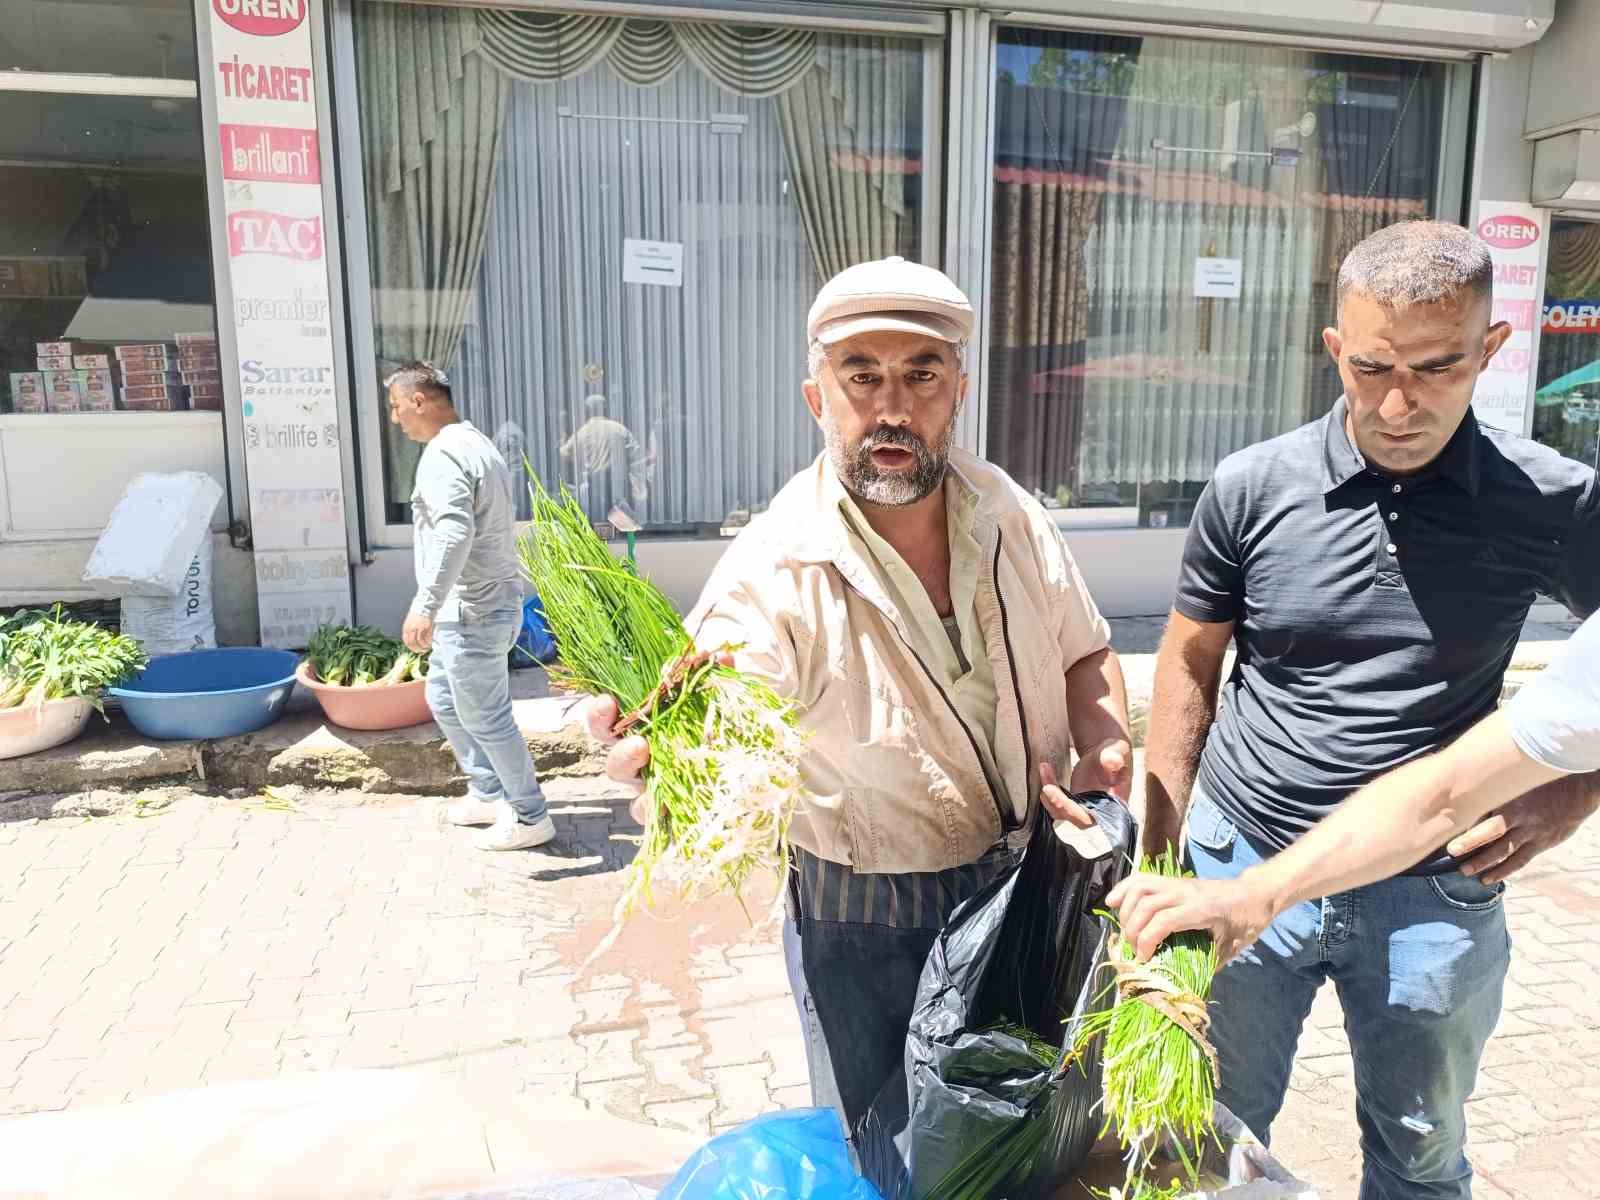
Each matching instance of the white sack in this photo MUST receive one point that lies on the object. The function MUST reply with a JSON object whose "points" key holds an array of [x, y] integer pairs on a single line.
{"points": [[154, 533]]}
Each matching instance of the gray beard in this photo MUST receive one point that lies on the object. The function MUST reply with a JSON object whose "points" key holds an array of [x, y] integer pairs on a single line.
{"points": [[888, 489]]}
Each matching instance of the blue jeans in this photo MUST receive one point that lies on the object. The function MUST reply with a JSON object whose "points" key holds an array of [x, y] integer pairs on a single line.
{"points": [[1419, 964], [469, 693]]}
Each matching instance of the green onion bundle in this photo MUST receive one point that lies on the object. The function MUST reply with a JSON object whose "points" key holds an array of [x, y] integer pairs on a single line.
{"points": [[45, 656], [361, 656], [723, 775], [1160, 1071]]}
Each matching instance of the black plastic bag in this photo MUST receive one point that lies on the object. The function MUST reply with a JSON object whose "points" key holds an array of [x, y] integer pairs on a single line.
{"points": [[974, 1102]]}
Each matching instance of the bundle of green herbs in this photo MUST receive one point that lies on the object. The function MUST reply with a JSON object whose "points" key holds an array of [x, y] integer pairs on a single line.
{"points": [[723, 775], [1160, 1070], [360, 656], [48, 656]]}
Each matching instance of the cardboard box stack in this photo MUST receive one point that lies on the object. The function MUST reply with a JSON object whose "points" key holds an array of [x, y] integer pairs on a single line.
{"points": [[138, 376], [200, 370], [27, 392], [69, 379], [150, 379], [63, 390]]}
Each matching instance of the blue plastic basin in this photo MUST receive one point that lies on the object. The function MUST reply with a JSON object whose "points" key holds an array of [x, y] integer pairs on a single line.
{"points": [[209, 693]]}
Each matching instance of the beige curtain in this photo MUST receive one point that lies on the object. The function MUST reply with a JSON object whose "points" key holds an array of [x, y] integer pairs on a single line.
{"points": [[433, 112], [1053, 146], [842, 106], [846, 130], [1039, 318], [543, 48]]}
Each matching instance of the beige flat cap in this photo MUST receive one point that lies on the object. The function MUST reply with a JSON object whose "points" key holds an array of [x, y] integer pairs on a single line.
{"points": [[890, 294]]}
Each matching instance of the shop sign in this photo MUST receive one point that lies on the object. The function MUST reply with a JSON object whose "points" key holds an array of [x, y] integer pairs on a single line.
{"points": [[246, 80], [1572, 316], [1509, 231], [262, 18], [1514, 233], [270, 154], [306, 314], [263, 80], [284, 513], [255, 231]]}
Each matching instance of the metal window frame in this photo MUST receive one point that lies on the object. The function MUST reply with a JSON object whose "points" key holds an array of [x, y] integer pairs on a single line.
{"points": [[237, 483], [909, 20], [970, 199], [354, 248], [63, 83], [335, 186], [1456, 137], [1029, 19]]}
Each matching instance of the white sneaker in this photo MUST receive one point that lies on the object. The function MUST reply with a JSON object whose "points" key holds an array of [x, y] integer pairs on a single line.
{"points": [[508, 833], [471, 811]]}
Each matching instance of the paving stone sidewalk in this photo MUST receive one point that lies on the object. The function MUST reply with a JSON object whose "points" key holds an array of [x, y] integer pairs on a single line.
{"points": [[218, 941]]}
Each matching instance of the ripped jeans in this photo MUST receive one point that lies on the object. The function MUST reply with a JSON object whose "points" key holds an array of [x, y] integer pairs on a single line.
{"points": [[1419, 964]]}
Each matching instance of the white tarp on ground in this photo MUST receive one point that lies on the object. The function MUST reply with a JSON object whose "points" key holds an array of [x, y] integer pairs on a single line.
{"points": [[407, 1132]]}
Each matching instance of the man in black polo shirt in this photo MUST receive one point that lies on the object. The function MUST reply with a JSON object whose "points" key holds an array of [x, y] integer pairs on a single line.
{"points": [[1374, 569]]}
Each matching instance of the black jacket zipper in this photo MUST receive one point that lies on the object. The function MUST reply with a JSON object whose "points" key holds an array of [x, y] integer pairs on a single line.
{"points": [[1016, 686]]}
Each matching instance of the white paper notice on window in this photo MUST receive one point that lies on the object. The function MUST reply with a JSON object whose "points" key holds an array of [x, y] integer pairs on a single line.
{"points": [[1218, 278], [660, 263]]}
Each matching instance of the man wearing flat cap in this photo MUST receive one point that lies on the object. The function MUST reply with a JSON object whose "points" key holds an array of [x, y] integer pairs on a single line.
{"points": [[927, 616]]}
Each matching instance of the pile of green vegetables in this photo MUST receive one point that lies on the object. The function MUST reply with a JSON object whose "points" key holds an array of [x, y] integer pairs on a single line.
{"points": [[1160, 1072], [360, 656], [47, 656], [723, 775]]}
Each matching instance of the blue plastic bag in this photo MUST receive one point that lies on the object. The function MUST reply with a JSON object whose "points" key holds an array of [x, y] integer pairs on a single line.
{"points": [[795, 1155], [535, 644]]}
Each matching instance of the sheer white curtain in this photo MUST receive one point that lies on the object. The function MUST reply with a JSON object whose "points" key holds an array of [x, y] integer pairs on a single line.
{"points": [[1174, 384], [706, 376]]}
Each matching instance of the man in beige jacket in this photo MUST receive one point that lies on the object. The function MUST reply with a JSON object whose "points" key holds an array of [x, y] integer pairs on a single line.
{"points": [[927, 616]]}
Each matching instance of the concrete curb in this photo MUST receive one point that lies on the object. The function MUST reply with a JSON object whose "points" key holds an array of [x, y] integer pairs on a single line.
{"points": [[113, 769]]}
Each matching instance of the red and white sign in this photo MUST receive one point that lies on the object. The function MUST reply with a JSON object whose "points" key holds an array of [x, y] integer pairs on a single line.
{"points": [[1514, 234], [262, 77], [262, 18], [270, 154], [255, 231], [1509, 231], [243, 79]]}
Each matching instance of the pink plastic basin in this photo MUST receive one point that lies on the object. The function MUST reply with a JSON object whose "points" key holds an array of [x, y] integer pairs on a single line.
{"points": [[392, 707], [31, 728]]}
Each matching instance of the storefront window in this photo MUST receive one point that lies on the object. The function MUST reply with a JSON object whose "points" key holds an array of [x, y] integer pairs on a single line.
{"points": [[149, 38], [611, 230], [105, 270], [1169, 217], [1566, 413]]}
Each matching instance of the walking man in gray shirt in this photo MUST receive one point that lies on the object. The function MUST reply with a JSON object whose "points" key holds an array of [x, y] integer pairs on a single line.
{"points": [[468, 608]]}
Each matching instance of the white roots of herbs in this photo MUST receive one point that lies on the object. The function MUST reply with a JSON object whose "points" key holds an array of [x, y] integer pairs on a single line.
{"points": [[718, 799]]}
